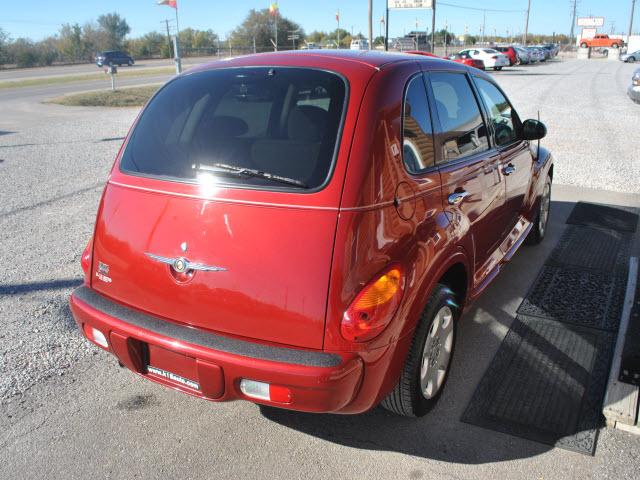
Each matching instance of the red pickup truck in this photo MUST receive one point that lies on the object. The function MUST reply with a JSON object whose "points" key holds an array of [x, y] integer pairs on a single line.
{"points": [[601, 40]]}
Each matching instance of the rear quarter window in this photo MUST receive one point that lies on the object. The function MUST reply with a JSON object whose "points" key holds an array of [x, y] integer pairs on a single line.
{"points": [[279, 122]]}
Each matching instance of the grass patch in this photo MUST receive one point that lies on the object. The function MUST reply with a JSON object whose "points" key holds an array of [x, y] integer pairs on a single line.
{"points": [[34, 82], [125, 97]]}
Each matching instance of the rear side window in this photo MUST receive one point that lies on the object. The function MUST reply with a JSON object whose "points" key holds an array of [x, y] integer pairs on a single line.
{"points": [[417, 134], [463, 130], [260, 127], [504, 119]]}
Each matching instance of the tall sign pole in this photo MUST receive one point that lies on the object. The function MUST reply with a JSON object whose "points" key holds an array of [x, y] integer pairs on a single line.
{"points": [[633, 7], [526, 25], [370, 24], [338, 20], [573, 21], [174, 4], [386, 29], [433, 27]]}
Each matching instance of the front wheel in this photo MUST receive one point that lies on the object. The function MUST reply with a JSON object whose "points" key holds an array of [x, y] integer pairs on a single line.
{"points": [[539, 229], [615, 45], [497, 68], [584, 45], [427, 365]]}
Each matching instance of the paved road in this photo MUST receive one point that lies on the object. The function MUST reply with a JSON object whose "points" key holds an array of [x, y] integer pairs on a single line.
{"points": [[66, 70], [69, 412]]}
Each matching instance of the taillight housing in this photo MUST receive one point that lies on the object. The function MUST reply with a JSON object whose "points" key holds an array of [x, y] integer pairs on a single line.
{"points": [[374, 307], [85, 260]]}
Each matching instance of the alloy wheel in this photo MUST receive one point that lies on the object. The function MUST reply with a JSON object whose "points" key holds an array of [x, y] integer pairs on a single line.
{"points": [[436, 354]]}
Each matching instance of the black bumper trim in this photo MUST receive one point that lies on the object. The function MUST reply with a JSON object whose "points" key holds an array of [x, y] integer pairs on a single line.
{"points": [[205, 339]]}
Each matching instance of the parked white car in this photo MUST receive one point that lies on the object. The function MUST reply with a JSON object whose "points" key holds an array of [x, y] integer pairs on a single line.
{"points": [[359, 44], [491, 58]]}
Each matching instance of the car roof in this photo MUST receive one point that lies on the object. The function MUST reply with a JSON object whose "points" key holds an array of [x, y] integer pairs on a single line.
{"points": [[371, 58]]}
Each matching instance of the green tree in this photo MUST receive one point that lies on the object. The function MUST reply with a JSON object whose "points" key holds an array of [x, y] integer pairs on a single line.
{"points": [[260, 25], [115, 28], [23, 53], [70, 43], [4, 43], [149, 45], [379, 40]]}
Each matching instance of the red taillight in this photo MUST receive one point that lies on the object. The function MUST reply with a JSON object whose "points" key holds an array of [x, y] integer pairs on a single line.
{"points": [[374, 307], [495, 57], [85, 260]]}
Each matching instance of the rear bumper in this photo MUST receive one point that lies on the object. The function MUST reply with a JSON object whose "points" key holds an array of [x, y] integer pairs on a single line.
{"points": [[318, 381]]}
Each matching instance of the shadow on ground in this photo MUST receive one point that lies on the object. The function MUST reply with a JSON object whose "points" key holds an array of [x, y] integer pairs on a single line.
{"points": [[441, 435]]}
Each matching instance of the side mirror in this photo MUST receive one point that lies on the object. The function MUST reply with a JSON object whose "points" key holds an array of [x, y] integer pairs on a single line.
{"points": [[533, 130]]}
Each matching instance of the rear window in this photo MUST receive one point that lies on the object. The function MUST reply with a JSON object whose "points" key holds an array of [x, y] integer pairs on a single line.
{"points": [[265, 127]]}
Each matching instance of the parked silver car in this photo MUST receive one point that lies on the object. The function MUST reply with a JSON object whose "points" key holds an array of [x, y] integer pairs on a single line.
{"points": [[634, 88], [630, 56]]}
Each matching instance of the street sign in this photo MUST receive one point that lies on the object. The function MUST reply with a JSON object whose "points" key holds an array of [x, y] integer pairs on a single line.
{"points": [[410, 3], [590, 21], [293, 37]]}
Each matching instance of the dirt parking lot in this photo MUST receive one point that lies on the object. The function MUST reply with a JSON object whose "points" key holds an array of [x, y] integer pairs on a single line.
{"points": [[68, 411]]}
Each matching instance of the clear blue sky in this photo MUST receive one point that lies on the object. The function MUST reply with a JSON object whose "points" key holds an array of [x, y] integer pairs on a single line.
{"points": [[39, 18]]}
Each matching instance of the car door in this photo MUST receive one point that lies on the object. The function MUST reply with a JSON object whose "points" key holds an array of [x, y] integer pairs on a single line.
{"points": [[472, 185], [516, 159]]}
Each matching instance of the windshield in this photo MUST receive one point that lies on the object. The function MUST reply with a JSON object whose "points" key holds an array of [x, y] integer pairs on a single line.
{"points": [[269, 127]]}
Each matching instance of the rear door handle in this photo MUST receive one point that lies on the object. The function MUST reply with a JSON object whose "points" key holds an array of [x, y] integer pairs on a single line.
{"points": [[509, 169], [457, 197]]}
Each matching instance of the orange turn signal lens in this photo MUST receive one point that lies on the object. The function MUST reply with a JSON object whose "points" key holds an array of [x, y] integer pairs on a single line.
{"points": [[374, 307]]}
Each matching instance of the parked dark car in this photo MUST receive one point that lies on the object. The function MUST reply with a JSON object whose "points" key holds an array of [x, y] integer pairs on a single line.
{"points": [[114, 57], [304, 230]]}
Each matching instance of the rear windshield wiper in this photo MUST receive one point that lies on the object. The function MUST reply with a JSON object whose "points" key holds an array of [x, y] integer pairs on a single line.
{"points": [[250, 172]]}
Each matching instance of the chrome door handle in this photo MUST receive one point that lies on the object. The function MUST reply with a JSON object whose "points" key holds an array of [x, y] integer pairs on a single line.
{"points": [[456, 197], [509, 169]]}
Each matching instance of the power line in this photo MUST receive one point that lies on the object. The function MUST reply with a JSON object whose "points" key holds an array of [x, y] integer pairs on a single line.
{"points": [[477, 9]]}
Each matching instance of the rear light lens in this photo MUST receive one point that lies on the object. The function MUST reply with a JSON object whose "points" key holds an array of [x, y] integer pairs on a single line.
{"points": [[495, 57], [265, 391], [96, 336], [85, 260], [374, 307]]}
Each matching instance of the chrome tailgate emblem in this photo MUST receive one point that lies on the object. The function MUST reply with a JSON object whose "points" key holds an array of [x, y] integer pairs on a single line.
{"points": [[182, 265]]}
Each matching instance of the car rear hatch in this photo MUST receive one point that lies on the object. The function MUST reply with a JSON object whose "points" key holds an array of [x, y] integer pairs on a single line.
{"points": [[221, 212]]}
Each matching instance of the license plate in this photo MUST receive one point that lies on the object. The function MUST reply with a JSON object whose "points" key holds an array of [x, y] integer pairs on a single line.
{"points": [[173, 377]]}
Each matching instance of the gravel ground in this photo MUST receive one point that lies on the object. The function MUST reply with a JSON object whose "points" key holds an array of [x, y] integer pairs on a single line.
{"points": [[53, 163]]}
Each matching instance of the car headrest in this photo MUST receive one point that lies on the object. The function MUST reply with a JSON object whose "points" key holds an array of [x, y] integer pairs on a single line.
{"points": [[224, 126], [307, 123]]}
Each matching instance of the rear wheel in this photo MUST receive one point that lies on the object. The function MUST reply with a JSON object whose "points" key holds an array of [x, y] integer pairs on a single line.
{"points": [[631, 59], [427, 365], [615, 45], [539, 229]]}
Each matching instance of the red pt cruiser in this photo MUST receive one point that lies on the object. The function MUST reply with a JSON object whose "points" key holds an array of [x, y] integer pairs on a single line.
{"points": [[304, 230]]}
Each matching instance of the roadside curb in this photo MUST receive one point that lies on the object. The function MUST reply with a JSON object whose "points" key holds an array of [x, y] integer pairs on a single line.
{"points": [[620, 407]]}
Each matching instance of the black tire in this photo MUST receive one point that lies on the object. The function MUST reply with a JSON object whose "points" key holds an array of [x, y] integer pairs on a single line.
{"points": [[584, 45], [631, 59], [615, 45], [407, 398], [540, 224]]}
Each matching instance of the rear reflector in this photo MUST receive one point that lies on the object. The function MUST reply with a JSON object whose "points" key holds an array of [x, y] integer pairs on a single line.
{"points": [[96, 336], [265, 391]]}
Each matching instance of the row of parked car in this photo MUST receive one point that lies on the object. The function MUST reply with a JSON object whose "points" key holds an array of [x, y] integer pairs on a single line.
{"points": [[501, 56]]}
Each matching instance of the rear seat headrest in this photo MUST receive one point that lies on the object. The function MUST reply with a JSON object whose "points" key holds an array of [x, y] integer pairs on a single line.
{"points": [[307, 123], [223, 126]]}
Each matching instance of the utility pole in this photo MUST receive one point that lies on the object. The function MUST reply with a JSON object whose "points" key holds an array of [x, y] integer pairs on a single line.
{"points": [[370, 24], [433, 27], [446, 34], [484, 24], [573, 21], [386, 28], [633, 7], [526, 25], [166, 22]]}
